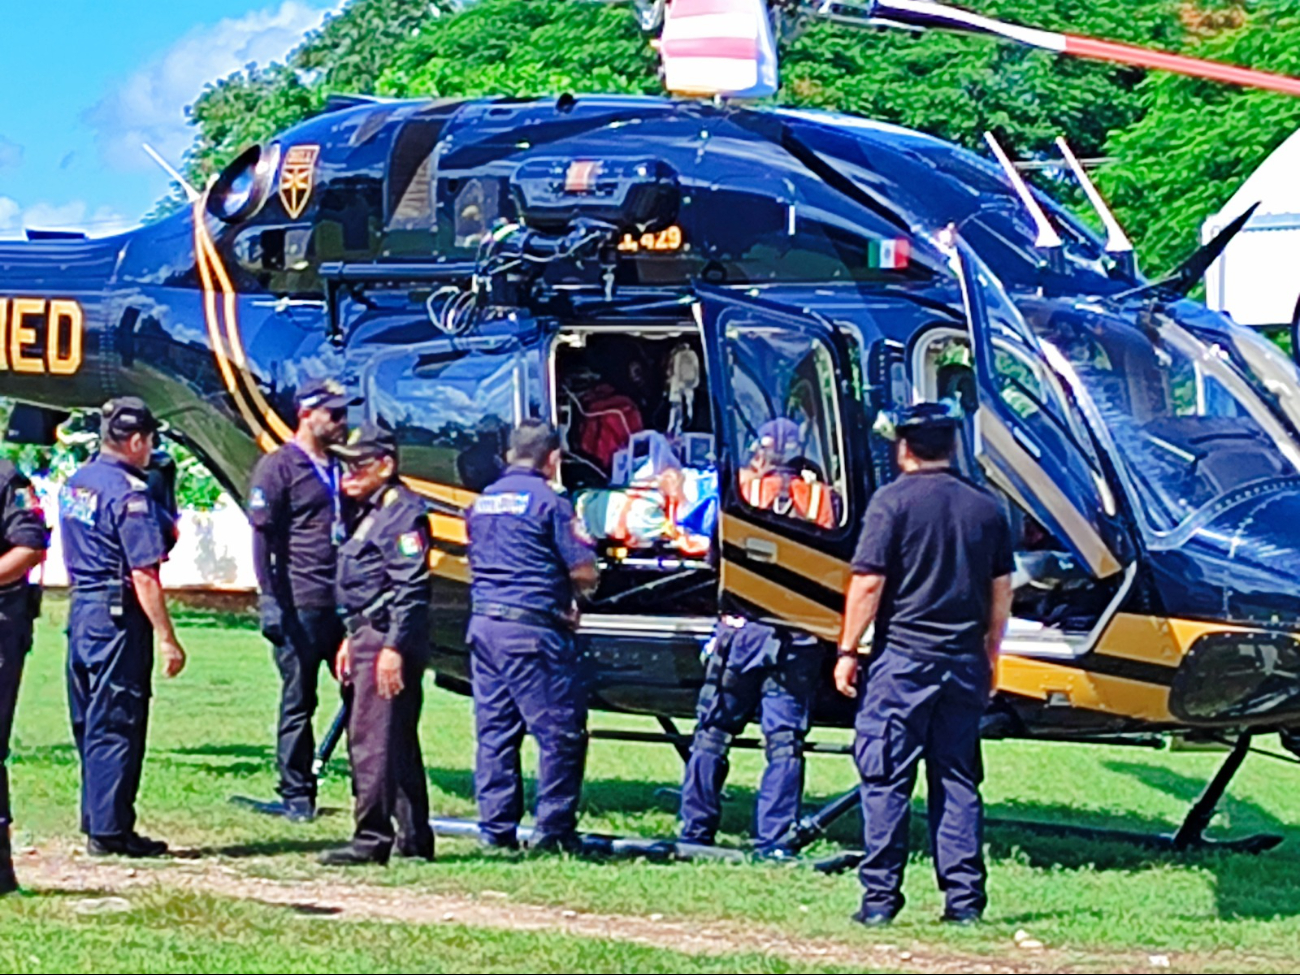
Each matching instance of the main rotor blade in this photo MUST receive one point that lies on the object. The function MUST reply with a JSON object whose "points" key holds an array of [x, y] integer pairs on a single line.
{"points": [[929, 14]]}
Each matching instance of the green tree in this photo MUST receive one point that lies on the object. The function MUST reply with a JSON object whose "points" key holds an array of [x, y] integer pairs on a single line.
{"points": [[1197, 141]]}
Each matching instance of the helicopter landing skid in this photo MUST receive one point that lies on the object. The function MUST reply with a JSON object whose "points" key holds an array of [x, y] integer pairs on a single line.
{"points": [[603, 845], [1188, 838]]}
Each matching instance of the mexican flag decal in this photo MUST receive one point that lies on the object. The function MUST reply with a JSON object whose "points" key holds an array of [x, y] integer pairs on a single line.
{"points": [[889, 255]]}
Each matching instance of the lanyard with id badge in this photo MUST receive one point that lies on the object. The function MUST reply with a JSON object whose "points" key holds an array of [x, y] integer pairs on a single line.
{"points": [[329, 476]]}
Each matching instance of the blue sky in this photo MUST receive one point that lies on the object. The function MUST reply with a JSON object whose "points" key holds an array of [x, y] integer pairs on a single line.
{"points": [[84, 82]]}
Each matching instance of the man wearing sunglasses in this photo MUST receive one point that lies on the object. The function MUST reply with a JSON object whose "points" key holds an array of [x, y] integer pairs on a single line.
{"points": [[383, 593], [296, 507]]}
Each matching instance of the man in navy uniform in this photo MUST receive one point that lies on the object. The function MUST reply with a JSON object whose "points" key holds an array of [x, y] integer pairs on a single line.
{"points": [[752, 670], [113, 546], [23, 540], [933, 571], [295, 506], [383, 592], [528, 566]]}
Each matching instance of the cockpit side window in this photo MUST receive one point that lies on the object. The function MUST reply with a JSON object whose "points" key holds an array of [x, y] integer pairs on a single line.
{"points": [[787, 412]]}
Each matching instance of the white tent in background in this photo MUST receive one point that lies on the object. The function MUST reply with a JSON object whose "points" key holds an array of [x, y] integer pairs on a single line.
{"points": [[1257, 281]]}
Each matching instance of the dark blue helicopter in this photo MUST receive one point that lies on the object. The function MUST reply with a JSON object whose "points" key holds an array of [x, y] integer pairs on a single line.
{"points": [[667, 278]]}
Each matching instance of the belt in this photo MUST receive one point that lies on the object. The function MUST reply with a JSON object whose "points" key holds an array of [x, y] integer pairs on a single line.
{"points": [[518, 614]]}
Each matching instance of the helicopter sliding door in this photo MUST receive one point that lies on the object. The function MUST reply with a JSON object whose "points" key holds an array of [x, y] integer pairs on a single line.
{"points": [[789, 504], [1030, 438]]}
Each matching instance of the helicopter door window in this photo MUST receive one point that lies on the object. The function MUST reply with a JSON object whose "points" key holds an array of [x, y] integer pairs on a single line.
{"points": [[453, 403], [787, 421]]}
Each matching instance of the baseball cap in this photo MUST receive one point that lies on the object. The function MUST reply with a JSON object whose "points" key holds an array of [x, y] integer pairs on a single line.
{"points": [[367, 441], [946, 413], [327, 393], [125, 415]]}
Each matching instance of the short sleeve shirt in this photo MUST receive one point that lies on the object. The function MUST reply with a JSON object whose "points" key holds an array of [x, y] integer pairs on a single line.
{"points": [[939, 541], [523, 544], [22, 522], [294, 502], [109, 523]]}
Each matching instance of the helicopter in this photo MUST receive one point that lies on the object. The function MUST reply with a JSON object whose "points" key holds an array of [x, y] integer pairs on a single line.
{"points": [[663, 277]]}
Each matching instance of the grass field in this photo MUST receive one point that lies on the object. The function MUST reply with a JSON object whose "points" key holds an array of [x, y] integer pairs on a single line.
{"points": [[251, 897]]}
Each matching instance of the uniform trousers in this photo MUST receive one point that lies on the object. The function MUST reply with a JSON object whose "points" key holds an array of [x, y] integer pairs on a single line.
{"points": [[388, 780], [110, 665], [15, 642], [780, 695], [527, 679], [918, 707], [311, 638]]}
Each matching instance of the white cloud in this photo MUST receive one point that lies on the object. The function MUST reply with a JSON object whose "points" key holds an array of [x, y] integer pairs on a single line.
{"points": [[149, 106], [75, 215], [11, 154]]}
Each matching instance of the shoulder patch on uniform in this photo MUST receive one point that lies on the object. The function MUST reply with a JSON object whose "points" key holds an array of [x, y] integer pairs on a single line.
{"points": [[25, 500], [256, 499], [410, 544], [137, 505], [391, 496], [513, 503], [80, 504]]}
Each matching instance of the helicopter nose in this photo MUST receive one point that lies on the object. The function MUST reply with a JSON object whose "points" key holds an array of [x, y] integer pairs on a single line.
{"points": [[1238, 564]]}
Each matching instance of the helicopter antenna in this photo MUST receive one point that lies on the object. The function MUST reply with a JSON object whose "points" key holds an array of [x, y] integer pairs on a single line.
{"points": [[1117, 242], [1047, 238], [191, 194]]}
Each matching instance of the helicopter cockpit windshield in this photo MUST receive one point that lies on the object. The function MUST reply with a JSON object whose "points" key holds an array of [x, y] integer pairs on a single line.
{"points": [[1186, 427]]}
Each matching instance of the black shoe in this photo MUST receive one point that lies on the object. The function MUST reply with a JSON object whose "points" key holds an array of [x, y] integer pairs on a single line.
{"points": [[557, 843], [964, 919], [498, 844], [300, 810], [350, 856], [415, 851], [873, 919], [131, 845], [776, 854]]}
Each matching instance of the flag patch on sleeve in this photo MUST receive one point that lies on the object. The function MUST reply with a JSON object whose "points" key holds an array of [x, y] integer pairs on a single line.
{"points": [[410, 544]]}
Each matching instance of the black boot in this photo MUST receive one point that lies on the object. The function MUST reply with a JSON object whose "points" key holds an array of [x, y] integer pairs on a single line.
{"points": [[8, 882]]}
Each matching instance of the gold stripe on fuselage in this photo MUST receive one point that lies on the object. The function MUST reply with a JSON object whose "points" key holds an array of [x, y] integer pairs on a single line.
{"points": [[1047, 680], [780, 602], [818, 567]]}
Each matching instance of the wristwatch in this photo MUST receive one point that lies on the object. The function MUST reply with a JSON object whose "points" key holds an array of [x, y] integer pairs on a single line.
{"points": [[847, 652]]}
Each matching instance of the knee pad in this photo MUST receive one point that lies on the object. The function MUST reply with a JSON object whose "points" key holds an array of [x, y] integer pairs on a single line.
{"points": [[783, 744], [713, 741]]}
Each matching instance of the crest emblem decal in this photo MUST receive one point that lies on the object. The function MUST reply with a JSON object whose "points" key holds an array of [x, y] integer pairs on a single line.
{"points": [[297, 177]]}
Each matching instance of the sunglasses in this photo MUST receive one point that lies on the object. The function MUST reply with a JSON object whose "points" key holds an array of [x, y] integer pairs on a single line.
{"points": [[360, 464], [339, 414]]}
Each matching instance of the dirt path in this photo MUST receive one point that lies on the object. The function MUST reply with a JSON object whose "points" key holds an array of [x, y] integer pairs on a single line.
{"points": [[65, 869]]}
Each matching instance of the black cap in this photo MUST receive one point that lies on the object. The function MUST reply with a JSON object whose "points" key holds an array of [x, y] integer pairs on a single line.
{"points": [[327, 393], [125, 415], [945, 414], [367, 441]]}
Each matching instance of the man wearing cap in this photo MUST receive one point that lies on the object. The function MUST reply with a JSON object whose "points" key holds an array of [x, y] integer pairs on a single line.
{"points": [[296, 508], [777, 478], [933, 572], [383, 591], [23, 540], [528, 566], [113, 546]]}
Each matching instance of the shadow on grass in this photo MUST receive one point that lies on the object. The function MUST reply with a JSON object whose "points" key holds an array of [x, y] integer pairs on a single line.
{"points": [[267, 848]]}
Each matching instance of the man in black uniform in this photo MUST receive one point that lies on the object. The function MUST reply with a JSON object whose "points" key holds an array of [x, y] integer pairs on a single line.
{"points": [[383, 595], [528, 565], [933, 571], [113, 547], [295, 505], [23, 540]]}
